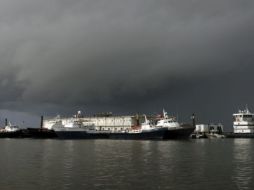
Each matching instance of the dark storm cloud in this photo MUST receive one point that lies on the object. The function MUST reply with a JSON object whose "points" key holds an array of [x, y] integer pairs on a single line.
{"points": [[123, 54]]}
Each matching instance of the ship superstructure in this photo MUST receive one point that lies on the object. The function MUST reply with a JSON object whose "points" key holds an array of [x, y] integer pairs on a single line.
{"points": [[243, 121], [175, 130], [166, 121], [100, 122]]}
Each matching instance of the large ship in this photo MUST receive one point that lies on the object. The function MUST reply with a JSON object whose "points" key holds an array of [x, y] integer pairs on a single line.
{"points": [[120, 127], [243, 124], [78, 129]]}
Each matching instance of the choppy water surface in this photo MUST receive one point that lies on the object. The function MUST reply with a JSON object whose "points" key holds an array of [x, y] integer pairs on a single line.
{"points": [[113, 164]]}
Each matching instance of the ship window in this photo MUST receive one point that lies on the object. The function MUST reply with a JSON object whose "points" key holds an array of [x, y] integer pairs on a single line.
{"points": [[247, 116]]}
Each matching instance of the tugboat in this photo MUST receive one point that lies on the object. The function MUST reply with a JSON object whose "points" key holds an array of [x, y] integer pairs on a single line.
{"points": [[175, 130], [10, 131], [40, 133]]}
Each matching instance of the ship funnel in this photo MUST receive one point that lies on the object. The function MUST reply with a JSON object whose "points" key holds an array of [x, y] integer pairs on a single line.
{"points": [[165, 114], [146, 121], [247, 109], [6, 122], [137, 120], [79, 114], [41, 121]]}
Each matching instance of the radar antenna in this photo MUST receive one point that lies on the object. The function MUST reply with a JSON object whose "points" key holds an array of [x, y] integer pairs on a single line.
{"points": [[246, 108]]}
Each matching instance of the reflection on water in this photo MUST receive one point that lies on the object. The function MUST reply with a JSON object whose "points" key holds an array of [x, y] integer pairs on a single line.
{"points": [[243, 161], [115, 164]]}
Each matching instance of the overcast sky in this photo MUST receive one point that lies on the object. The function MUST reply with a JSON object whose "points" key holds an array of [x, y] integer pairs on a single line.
{"points": [[59, 56]]}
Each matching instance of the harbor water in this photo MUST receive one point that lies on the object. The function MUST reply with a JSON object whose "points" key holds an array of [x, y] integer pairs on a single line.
{"points": [[122, 165]]}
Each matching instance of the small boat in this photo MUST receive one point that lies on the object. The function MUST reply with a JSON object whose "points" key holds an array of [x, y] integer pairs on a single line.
{"points": [[215, 136], [198, 136]]}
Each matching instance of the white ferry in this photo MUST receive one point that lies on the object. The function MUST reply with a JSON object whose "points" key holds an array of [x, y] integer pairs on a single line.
{"points": [[243, 122]]}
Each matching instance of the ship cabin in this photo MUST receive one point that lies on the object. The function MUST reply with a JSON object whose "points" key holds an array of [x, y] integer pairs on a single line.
{"points": [[243, 121], [209, 128]]}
